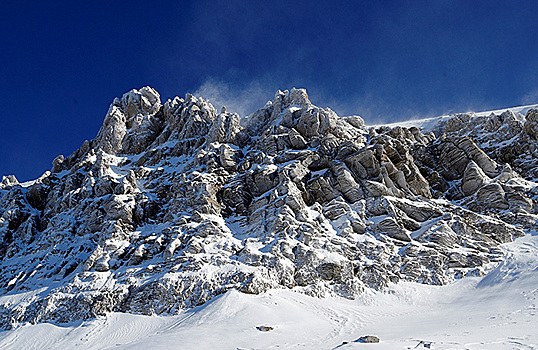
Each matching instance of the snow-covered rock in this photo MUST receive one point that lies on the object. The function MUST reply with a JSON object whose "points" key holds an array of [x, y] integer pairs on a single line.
{"points": [[173, 204]]}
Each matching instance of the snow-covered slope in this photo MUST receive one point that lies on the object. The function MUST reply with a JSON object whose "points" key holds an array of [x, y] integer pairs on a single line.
{"points": [[497, 311], [173, 205]]}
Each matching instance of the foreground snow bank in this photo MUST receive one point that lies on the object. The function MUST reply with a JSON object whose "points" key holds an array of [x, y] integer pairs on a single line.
{"points": [[497, 311]]}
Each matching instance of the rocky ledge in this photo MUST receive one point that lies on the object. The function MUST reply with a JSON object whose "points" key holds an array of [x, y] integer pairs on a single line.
{"points": [[172, 204]]}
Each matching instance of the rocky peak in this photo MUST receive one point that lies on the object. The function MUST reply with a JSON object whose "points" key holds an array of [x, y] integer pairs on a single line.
{"points": [[131, 122]]}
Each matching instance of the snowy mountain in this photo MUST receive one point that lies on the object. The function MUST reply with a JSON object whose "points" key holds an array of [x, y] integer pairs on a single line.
{"points": [[174, 204]]}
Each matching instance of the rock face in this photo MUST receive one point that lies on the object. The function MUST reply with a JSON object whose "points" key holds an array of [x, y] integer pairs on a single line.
{"points": [[174, 203]]}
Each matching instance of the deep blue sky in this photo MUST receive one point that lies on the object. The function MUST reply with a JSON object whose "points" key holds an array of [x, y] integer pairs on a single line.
{"points": [[62, 63]]}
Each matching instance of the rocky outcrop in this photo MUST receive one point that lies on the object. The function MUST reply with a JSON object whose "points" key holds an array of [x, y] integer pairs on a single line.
{"points": [[531, 123], [473, 178], [492, 196], [174, 203], [131, 123]]}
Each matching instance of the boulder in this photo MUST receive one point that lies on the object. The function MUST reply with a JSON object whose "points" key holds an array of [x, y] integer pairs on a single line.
{"points": [[416, 210], [441, 234], [375, 189], [518, 200], [265, 328], [368, 339], [264, 179], [456, 153], [453, 159], [330, 271], [356, 121]]}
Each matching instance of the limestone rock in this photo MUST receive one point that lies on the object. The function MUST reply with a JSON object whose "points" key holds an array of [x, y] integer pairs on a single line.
{"points": [[176, 203], [364, 164], [368, 339], [441, 234], [265, 328], [346, 184], [417, 210], [226, 128], [57, 164], [356, 121], [393, 229], [417, 183], [473, 179], [457, 152], [227, 157], [37, 195], [321, 190], [9, 180], [375, 189], [531, 123], [296, 140], [492, 196], [472, 151], [519, 201]]}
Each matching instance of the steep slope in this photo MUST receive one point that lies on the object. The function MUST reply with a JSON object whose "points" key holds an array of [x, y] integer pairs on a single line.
{"points": [[172, 204]]}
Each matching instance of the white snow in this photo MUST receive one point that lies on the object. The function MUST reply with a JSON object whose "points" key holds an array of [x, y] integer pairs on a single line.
{"points": [[497, 311], [519, 109], [426, 124], [429, 123]]}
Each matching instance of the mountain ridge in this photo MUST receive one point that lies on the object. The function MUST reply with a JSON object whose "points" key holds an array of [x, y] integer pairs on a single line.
{"points": [[172, 204]]}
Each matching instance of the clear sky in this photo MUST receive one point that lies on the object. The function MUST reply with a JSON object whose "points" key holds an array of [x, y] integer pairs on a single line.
{"points": [[63, 62]]}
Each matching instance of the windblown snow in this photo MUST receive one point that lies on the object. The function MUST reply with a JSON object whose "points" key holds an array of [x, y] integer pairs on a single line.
{"points": [[430, 123]]}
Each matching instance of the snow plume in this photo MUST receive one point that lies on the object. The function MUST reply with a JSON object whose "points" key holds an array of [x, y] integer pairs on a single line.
{"points": [[243, 100], [372, 108], [530, 98]]}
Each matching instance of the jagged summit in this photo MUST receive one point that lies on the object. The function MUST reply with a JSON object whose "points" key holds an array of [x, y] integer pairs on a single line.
{"points": [[172, 204]]}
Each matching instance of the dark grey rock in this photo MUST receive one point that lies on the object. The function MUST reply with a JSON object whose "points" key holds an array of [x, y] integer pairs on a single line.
{"points": [[368, 339]]}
